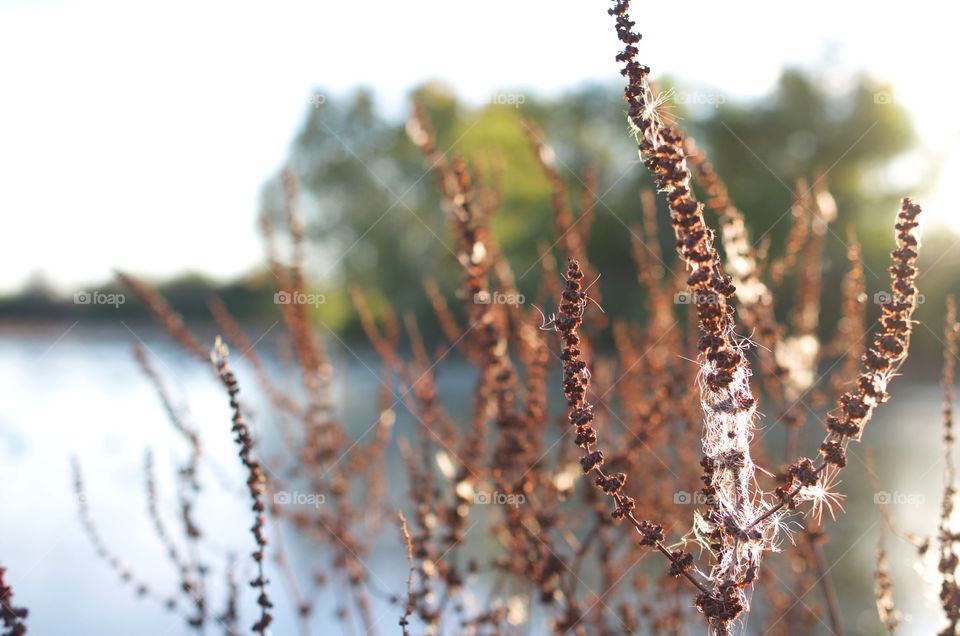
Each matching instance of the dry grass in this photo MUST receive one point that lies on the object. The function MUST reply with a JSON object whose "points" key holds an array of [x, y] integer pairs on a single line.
{"points": [[670, 446]]}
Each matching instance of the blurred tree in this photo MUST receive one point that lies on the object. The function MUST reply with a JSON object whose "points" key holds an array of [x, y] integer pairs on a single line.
{"points": [[374, 218], [376, 221], [763, 147], [806, 129]]}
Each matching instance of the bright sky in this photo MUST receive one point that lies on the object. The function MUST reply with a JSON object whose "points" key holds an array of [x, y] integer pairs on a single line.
{"points": [[138, 135]]}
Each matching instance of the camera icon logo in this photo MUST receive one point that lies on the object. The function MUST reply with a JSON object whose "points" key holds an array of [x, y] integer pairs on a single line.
{"points": [[882, 498], [682, 497], [882, 298], [281, 498], [683, 298], [482, 298], [882, 97], [82, 298], [482, 497], [282, 298]]}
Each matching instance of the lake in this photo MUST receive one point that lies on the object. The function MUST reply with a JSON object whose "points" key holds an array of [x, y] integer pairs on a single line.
{"points": [[75, 390]]}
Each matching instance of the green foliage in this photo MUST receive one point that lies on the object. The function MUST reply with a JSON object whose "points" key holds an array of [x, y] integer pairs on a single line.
{"points": [[375, 216]]}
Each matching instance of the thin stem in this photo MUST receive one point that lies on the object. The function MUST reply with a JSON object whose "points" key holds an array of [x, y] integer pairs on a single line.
{"points": [[826, 583]]}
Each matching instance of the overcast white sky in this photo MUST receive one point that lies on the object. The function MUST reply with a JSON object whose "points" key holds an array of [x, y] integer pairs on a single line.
{"points": [[137, 135]]}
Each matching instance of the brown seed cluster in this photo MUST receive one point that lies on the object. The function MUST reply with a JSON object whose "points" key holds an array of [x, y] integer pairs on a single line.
{"points": [[255, 482], [729, 405], [662, 150], [890, 345], [576, 382]]}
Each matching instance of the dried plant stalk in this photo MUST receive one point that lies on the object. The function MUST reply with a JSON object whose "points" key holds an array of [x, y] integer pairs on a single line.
{"points": [[11, 615], [235, 335], [175, 415], [191, 583], [947, 538], [103, 552], [738, 533], [890, 346], [741, 258], [883, 587], [565, 226], [880, 364], [576, 380], [230, 616], [796, 238], [255, 482], [171, 321], [408, 606], [849, 338]]}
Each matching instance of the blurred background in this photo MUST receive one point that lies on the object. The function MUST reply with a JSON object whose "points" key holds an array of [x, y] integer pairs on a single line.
{"points": [[150, 139]]}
